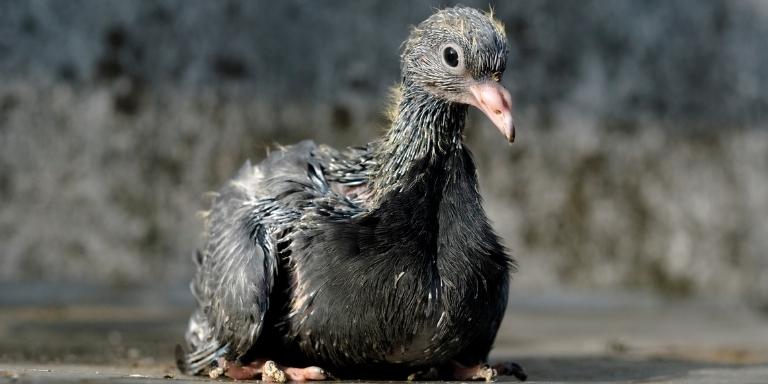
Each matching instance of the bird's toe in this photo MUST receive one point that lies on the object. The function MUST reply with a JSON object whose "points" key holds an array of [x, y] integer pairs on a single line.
{"points": [[306, 374]]}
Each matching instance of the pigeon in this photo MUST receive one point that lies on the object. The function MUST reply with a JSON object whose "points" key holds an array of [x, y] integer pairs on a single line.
{"points": [[372, 262]]}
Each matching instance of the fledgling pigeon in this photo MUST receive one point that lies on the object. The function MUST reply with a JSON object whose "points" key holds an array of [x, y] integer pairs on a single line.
{"points": [[371, 262]]}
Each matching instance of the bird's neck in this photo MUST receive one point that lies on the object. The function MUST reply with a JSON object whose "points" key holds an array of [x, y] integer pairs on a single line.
{"points": [[425, 130]]}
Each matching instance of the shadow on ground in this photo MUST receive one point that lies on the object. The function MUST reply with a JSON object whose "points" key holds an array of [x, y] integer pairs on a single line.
{"points": [[608, 369]]}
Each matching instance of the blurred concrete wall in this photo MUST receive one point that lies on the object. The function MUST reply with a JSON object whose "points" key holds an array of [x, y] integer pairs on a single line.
{"points": [[642, 158]]}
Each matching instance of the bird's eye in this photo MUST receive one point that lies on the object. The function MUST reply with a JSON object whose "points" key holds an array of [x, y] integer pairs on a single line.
{"points": [[451, 57]]}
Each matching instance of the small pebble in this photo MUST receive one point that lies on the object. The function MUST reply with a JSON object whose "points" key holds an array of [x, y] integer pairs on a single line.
{"points": [[216, 372]]}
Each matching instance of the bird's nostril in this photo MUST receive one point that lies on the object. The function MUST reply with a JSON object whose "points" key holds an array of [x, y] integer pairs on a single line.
{"points": [[498, 112]]}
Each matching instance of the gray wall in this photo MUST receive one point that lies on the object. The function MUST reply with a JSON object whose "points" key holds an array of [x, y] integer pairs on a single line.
{"points": [[641, 160]]}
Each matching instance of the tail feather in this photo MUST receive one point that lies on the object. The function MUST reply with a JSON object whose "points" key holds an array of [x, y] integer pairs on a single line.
{"points": [[202, 349], [195, 362]]}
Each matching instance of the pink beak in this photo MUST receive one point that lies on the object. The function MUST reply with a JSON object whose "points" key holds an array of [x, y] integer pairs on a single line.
{"points": [[496, 102]]}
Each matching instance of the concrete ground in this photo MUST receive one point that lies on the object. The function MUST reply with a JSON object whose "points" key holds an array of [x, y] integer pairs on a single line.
{"points": [[86, 334]]}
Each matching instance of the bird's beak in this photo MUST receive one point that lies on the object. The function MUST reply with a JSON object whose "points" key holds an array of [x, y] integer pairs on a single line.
{"points": [[496, 102]]}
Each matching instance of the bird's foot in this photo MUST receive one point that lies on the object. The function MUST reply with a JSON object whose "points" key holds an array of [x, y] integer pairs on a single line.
{"points": [[429, 374], [476, 372], [511, 369], [269, 371]]}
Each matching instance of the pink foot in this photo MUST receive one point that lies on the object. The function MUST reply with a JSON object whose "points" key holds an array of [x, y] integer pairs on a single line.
{"points": [[268, 370], [477, 372], [306, 374]]}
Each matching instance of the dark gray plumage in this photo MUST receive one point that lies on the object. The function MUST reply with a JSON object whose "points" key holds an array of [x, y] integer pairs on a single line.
{"points": [[370, 262]]}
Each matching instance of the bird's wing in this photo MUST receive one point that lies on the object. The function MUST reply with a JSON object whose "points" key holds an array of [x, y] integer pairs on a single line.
{"points": [[235, 276], [351, 167], [348, 172], [237, 267]]}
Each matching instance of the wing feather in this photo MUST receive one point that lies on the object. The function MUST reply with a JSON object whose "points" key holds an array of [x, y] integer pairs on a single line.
{"points": [[237, 267]]}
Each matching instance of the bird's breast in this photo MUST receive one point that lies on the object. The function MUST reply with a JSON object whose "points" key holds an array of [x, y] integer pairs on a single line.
{"points": [[398, 316]]}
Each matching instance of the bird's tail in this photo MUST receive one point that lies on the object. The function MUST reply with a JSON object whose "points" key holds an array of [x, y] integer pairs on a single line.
{"points": [[202, 351]]}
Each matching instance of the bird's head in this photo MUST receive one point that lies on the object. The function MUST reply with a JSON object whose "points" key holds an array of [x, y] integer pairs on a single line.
{"points": [[459, 54]]}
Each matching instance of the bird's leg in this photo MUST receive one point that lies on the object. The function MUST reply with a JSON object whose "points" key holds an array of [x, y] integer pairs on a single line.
{"points": [[270, 371]]}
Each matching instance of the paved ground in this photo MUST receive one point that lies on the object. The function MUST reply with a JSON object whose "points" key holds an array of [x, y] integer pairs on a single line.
{"points": [[89, 335]]}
